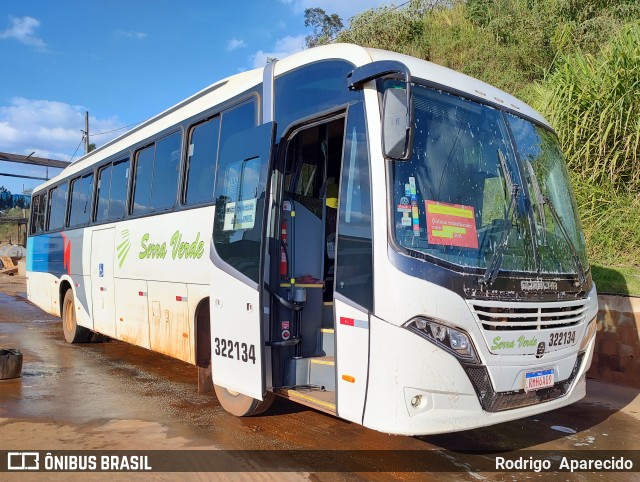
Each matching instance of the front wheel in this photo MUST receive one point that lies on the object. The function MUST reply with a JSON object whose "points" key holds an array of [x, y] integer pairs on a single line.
{"points": [[242, 405], [73, 332]]}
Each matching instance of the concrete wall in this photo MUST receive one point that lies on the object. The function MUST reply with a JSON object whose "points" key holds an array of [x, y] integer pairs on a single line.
{"points": [[617, 352]]}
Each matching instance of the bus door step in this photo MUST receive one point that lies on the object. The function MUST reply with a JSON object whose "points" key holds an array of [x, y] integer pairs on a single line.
{"points": [[322, 372], [313, 397]]}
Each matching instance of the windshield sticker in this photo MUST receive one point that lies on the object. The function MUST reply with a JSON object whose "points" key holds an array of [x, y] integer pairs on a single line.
{"points": [[414, 206], [240, 215], [412, 186], [404, 206], [451, 224]]}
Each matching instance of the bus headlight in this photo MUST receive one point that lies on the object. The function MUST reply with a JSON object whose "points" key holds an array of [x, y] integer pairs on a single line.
{"points": [[454, 340], [591, 331]]}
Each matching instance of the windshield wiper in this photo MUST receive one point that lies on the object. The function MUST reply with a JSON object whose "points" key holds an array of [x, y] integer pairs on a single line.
{"points": [[582, 278], [496, 259], [539, 201]]}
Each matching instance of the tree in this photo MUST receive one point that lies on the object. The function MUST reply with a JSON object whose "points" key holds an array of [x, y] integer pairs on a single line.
{"points": [[325, 27], [6, 198]]}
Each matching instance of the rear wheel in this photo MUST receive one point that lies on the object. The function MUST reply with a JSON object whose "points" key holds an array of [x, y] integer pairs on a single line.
{"points": [[242, 405], [73, 332]]}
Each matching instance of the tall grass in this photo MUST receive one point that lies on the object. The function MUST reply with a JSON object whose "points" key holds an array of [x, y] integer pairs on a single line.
{"points": [[593, 101], [611, 224]]}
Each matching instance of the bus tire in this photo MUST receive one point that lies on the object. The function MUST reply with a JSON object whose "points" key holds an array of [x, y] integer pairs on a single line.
{"points": [[242, 405], [73, 332]]}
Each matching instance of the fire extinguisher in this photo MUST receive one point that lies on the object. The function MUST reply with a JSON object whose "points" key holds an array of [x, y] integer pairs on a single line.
{"points": [[283, 249]]}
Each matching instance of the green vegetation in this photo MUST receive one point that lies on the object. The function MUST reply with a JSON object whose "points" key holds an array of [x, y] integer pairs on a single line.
{"points": [[325, 27], [619, 281], [578, 63], [594, 103], [10, 233]]}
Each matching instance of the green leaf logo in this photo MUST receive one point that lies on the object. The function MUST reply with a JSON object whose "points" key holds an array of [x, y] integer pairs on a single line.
{"points": [[123, 247]]}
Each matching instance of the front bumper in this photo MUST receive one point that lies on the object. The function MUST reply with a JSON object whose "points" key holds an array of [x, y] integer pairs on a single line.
{"points": [[405, 368]]}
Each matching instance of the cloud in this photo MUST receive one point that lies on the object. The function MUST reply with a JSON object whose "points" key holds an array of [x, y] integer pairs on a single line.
{"points": [[129, 34], [51, 128], [282, 48], [234, 44], [22, 29], [345, 10]]}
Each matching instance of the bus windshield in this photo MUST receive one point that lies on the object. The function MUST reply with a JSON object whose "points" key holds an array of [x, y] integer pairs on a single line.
{"points": [[479, 182]]}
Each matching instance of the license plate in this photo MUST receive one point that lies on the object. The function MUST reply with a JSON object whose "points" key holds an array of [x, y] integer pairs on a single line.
{"points": [[538, 380]]}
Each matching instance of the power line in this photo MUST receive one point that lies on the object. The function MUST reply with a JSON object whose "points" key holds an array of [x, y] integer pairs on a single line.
{"points": [[74, 153], [115, 130], [84, 134]]}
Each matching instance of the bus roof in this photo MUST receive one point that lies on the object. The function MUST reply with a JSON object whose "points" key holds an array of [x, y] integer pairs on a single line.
{"points": [[231, 86]]}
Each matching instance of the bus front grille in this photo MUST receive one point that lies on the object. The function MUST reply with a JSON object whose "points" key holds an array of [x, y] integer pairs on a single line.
{"points": [[493, 401], [495, 315]]}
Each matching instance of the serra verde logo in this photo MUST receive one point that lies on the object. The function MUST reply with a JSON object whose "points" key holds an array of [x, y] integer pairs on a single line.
{"points": [[522, 342], [179, 249]]}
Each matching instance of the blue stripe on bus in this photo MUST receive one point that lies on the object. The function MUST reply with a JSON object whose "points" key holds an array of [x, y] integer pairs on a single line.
{"points": [[45, 254]]}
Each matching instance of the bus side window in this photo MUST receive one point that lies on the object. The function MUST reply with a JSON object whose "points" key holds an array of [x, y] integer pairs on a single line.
{"points": [[165, 172], [57, 207], [118, 191], [354, 264], [239, 192], [104, 185], [201, 162], [80, 200], [143, 175], [156, 175], [38, 213]]}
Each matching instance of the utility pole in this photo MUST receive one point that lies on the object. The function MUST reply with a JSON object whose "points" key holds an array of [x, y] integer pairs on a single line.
{"points": [[24, 215], [86, 132]]}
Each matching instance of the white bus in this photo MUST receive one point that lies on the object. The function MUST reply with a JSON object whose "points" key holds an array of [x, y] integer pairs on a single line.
{"points": [[362, 232]]}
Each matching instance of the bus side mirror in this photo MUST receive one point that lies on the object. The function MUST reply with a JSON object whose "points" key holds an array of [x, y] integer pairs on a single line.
{"points": [[396, 124]]}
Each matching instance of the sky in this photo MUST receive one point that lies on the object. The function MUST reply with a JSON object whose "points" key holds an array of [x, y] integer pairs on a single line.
{"points": [[126, 61]]}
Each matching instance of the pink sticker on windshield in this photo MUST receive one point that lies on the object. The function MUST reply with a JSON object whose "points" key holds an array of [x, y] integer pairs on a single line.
{"points": [[451, 224]]}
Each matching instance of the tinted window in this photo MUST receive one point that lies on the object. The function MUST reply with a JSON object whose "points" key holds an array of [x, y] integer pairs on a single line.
{"points": [[238, 119], [144, 176], [112, 191], [165, 173], [104, 184], [240, 190], [118, 191], [38, 210], [312, 89], [354, 272], [57, 207], [81, 191], [156, 177], [201, 164]]}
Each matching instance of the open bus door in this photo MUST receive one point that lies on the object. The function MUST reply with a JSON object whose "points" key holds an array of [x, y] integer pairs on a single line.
{"points": [[237, 250]]}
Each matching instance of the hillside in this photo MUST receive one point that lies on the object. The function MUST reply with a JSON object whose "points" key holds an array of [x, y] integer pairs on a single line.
{"points": [[578, 63]]}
